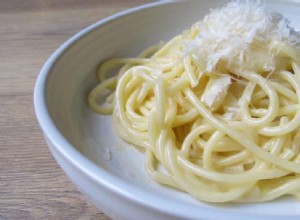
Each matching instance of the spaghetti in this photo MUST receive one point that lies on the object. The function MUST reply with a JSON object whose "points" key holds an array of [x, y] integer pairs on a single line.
{"points": [[216, 109]]}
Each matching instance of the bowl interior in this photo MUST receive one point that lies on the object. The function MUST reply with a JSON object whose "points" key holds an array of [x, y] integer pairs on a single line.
{"points": [[73, 75]]}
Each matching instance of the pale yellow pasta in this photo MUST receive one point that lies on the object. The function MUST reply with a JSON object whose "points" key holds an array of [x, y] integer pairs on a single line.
{"points": [[242, 145]]}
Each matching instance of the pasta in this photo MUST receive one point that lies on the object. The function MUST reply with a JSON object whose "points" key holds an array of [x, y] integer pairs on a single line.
{"points": [[217, 108]]}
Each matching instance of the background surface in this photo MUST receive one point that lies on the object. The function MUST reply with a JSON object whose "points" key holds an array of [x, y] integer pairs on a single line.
{"points": [[32, 186]]}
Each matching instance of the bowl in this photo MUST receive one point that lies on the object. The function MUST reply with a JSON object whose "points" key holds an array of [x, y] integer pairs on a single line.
{"points": [[103, 167]]}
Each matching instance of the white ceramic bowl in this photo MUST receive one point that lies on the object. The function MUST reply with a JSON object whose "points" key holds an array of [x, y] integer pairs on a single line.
{"points": [[108, 171]]}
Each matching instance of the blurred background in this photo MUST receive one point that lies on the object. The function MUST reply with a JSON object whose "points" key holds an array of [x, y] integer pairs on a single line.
{"points": [[32, 186]]}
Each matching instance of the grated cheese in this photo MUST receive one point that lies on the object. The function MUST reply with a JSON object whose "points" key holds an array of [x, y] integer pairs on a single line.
{"points": [[232, 33], [216, 90], [239, 35]]}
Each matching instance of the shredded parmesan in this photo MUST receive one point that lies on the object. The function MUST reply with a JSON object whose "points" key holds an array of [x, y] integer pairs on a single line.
{"points": [[232, 33], [242, 34], [216, 90]]}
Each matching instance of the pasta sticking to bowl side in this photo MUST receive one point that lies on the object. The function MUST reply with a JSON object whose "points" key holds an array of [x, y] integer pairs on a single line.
{"points": [[217, 108]]}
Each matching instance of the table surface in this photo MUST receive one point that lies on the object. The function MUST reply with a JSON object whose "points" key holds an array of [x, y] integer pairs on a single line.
{"points": [[32, 185]]}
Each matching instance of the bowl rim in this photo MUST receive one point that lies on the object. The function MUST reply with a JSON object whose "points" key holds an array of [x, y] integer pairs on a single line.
{"points": [[101, 176]]}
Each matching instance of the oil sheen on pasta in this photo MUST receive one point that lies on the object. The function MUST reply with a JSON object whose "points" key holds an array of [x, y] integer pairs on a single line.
{"points": [[216, 109]]}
